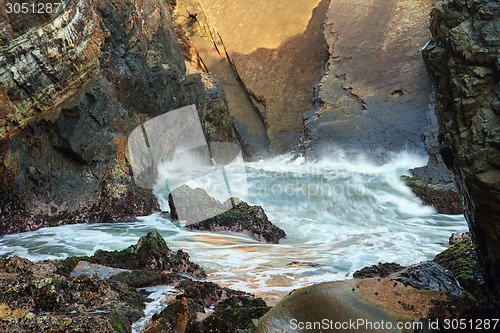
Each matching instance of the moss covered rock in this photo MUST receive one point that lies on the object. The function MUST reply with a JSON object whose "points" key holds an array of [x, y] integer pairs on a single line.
{"points": [[445, 200], [461, 261], [33, 297], [151, 253], [202, 212], [232, 309]]}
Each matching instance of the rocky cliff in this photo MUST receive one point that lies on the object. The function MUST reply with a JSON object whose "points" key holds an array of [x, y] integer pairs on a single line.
{"points": [[375, 93], [268, 56], [73, 85], [463, 58]]}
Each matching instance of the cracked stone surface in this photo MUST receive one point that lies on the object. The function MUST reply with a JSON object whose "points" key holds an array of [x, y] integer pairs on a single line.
{"points": [[375, 93]]}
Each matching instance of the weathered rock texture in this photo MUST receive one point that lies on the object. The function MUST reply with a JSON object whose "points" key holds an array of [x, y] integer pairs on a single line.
{"points": [[209, 47], [72, 87], [202, 212], [34, 298], [372, 300], [464, 62], [277, 50], [375, 93]]}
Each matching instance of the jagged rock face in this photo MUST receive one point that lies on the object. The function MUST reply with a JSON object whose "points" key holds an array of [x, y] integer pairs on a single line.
{"points": [[72, 87], [464, 62], [277, 50], [209, 49], [375, 92]]}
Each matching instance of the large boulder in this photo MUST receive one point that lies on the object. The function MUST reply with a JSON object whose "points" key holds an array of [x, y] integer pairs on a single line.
{"points": [[463, 59], [73, 86], [359, 305], [200, 211]]}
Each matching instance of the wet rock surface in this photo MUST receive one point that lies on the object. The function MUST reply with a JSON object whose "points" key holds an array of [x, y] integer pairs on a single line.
{"points": [[379, 270], [371, 299], [150, 253], [42, 296], [462, 59], [461, 261], [195, 205], [429, 276], [446, 200], [229, 310], [33, 298], [71, 90]]}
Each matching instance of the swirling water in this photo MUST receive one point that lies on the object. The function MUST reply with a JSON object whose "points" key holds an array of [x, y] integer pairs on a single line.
{"points": [[340, 213]]}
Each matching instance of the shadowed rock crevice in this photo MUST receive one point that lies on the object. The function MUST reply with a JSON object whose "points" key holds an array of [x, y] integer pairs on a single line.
{"points": [[249, 128]]}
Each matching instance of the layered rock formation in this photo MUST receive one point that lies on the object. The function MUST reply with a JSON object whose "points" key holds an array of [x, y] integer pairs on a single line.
{"points": [[464, 62], [375, 93], [72, 87]]}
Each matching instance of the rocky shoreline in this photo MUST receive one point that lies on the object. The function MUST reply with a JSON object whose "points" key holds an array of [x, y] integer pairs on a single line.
{"points": [[74, 85], [104, 292], [76, 294]]}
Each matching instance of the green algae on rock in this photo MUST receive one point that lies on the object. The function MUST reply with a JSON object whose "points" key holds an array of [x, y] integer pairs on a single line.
{"points": [[150, 253], [445, 200], [202, 212], [461, 261], [33, 298]]}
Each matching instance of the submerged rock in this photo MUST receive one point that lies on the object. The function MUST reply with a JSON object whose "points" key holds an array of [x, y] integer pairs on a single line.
{"points": [[379, 270], [195, 205], [429, 276]]}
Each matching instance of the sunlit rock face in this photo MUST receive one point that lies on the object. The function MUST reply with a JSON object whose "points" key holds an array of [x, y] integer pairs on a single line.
{"points": [[463, 58], [73, 85], [375, 92], [277, 51]]}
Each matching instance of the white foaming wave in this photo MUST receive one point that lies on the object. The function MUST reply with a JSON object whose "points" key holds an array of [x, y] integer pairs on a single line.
{"points": [[359, 163]]}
